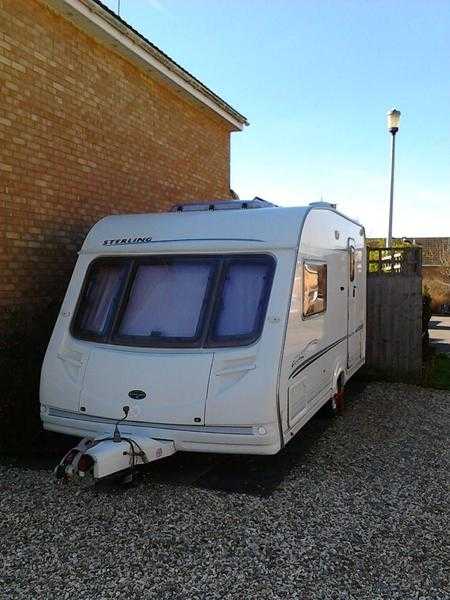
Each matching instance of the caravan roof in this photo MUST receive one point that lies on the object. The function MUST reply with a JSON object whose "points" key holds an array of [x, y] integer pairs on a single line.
{"points": [[210, 230]]}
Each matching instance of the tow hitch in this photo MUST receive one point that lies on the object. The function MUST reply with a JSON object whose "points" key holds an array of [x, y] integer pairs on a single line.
{"points": [[104, 455], [101, 456]]}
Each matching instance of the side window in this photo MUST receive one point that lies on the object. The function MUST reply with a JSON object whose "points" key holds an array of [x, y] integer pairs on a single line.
{"points": [[351, 256], [314, 288]]}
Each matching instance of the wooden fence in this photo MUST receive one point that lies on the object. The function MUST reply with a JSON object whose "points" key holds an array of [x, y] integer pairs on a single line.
{"points": [[394, 311]]}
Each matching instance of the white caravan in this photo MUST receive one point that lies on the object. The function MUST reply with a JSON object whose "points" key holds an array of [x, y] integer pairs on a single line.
{"points": [[218, 328]]}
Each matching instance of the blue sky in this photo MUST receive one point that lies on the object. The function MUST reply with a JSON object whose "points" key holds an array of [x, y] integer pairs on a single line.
{"points": [[315, 79]]}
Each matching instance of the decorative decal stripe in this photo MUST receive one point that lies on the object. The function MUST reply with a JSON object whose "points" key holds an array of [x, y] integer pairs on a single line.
{"points": [[61, 413], [206, 240], [356, 330], [314, 357], [149, 240]]}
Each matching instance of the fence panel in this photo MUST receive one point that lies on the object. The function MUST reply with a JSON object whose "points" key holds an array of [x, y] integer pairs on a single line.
{"points": [[394, 310]]}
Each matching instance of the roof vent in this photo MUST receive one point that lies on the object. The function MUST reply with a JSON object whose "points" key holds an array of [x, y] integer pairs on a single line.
{"points": [[223, 205], [323, 204]]}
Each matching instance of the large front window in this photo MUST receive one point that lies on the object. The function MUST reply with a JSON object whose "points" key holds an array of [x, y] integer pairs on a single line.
{"points": [[167, 300], [175, 301]]}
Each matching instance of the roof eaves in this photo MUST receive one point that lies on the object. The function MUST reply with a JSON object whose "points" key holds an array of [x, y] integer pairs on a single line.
{"points": [[119, 24]]}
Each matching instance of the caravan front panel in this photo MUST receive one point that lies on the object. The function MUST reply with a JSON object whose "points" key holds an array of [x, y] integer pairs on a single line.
{"points": [[158, 387]]}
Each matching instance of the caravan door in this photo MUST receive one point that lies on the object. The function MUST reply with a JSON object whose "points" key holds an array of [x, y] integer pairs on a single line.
{"points": [[354, 318]]}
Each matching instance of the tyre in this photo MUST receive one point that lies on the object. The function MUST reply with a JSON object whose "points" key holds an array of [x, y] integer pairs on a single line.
{"points": [[335, 405]]}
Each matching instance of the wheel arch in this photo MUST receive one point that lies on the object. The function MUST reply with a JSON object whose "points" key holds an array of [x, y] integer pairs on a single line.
{"points": [[339, 377]]}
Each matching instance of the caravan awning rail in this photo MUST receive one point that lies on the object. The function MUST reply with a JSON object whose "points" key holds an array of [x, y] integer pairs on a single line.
{"points": [[223, 205]]}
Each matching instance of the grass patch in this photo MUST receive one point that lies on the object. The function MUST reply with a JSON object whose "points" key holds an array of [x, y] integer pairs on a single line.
{"points": [[437, 372]]}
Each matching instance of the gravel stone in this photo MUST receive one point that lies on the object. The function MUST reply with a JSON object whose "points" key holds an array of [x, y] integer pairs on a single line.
{"points": [[353, 508]]}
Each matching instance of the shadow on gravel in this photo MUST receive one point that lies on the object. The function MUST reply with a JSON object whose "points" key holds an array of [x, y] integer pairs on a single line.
{"points": [[47, 450], [234, 474], [243, 474], [262, 475]]}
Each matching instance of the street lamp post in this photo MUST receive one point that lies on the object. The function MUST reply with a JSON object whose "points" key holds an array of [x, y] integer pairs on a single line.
{"points": [[393, 124]]}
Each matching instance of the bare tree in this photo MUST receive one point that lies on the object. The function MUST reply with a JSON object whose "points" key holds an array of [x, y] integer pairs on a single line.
{"points": [[443, 256]]}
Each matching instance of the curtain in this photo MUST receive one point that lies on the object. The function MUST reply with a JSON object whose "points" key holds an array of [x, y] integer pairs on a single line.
{"points": [[103, 287], [240, 305], [166, 300]]}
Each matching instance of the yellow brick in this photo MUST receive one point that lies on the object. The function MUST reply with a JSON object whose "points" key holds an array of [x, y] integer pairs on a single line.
{"points": [[5, 60], [18, 66]]}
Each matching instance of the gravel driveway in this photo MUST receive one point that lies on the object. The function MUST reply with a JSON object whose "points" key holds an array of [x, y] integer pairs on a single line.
{"points": [[353, 508]]}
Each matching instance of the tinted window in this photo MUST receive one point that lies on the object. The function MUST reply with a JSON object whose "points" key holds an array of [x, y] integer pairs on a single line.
{"points": [[314, 288], [99, 298], [167, 299], [242, 302]]}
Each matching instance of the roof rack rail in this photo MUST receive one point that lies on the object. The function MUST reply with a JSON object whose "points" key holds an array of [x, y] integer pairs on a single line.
{"points": [[323, 205], [223, 205]]}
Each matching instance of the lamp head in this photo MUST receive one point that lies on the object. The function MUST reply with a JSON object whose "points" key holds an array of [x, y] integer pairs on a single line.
{"points": [[393, 120]]}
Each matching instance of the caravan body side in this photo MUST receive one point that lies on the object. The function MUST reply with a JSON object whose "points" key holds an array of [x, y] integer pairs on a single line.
{"points": [[325, 348]]}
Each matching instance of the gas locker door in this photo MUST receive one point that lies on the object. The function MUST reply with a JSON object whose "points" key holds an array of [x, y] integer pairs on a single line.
{"points": [[354, 321]]}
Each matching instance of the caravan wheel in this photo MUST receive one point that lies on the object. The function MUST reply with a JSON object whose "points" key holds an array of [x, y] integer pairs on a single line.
{"points": [[335, 405]]}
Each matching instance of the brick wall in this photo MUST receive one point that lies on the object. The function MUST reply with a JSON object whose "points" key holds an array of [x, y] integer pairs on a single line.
{"points": [[435, 251], [436, 272], [84, 133]]}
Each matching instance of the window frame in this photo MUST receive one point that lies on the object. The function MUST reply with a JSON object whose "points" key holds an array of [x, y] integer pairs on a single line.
{"points": [[76, 331], [227, 341], [324, 310], [209, 311], [172, 342]]}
